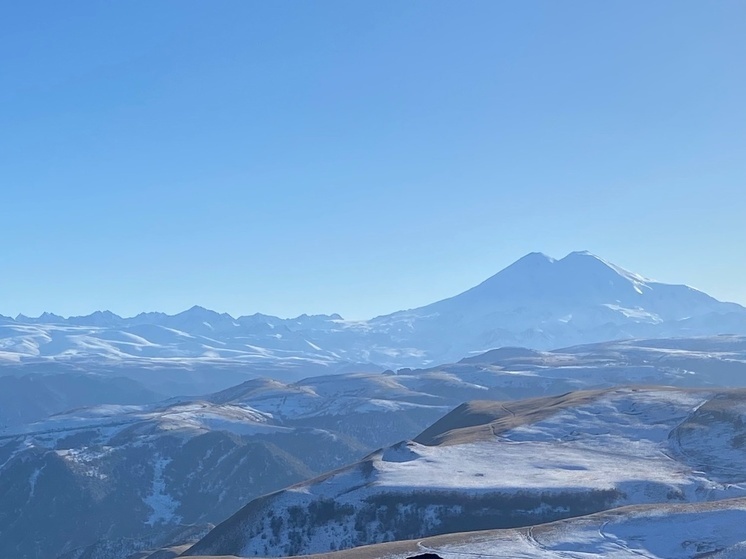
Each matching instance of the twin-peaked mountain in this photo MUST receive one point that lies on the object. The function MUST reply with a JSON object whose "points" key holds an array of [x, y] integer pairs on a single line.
{"points": [[543, 303], [537, 302]]}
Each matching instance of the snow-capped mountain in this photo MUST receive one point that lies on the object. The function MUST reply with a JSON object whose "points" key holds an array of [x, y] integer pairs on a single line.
{"points": [[537, 302], [543, 303], [490, 465]]}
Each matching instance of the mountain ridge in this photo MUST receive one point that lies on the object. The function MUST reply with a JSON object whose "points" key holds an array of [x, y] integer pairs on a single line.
{"points": [[534, 259], [537, 302], [530, 462]]}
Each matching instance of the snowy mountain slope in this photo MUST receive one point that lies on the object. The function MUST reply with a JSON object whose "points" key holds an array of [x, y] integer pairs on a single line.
{"points": [[273, 433], [714, 360], [670, 531], [536, 302], [120, 348], [426, 394], [206, 457], [402, 404], [141, 475], [507, 373], [505, 464], [544, 303]]}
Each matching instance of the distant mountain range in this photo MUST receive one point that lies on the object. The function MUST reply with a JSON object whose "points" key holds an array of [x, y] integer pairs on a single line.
{"points": [[537, 302]]}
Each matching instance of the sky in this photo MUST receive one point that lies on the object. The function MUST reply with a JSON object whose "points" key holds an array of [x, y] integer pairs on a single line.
{"points": [[361, 157]]}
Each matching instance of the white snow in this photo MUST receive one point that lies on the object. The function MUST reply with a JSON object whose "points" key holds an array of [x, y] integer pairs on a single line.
{"points": [[33, 479], [617, 442], [656, 533], [163, 505]]}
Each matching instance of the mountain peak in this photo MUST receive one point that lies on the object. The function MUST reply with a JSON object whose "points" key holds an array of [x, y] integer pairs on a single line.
{"points": [[586, 256], [532, 263], [585, 262], [535, 257], [582, 254], [45, 317], [198, 310], [97, 318], [580, 278]]}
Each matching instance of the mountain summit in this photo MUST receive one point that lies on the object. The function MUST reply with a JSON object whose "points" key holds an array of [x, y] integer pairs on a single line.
{"points": [[577, 280], [537, 302], [544, 303]]}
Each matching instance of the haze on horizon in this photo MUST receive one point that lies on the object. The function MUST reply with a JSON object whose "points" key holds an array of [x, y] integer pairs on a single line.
{"points": [[528, 259], [362, 158]]}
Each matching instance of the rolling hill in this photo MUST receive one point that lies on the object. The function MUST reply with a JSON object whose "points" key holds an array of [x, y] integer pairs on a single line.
{"points": [[489, 465]]}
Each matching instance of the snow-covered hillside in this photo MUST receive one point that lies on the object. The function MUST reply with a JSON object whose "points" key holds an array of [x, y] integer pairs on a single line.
{"points": [[537, 302], [506, 373], [499, 465], [149, 469], [662, 531], [105, 482]]}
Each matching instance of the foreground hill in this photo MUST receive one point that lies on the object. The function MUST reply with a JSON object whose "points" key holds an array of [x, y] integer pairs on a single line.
{"points": [[537, 302], [675, 531], [508, 464]]}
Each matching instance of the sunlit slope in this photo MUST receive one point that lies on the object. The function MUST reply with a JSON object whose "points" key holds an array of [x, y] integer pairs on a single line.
{"points": [[499, 465]]}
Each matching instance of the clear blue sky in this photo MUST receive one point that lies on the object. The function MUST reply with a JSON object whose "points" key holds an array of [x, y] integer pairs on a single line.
{"points": [[361, 157]]}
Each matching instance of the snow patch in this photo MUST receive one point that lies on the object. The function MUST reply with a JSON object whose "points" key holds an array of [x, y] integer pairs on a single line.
{"points": [[163, 505]]}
